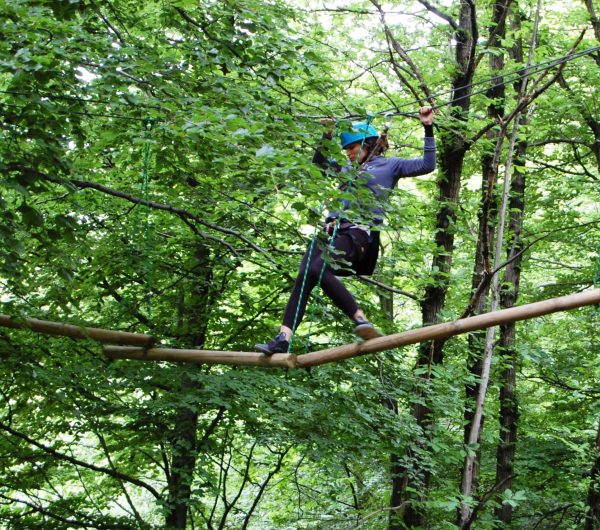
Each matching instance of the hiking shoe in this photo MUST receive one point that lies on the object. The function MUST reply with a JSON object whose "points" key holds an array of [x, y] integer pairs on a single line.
{"points": [[277, 345], [365, 330]]}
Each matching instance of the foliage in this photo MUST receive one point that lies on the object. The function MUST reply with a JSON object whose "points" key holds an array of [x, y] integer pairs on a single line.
{"points": [[218, 104]]}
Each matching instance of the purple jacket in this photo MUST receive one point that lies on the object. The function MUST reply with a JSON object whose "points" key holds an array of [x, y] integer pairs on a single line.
{"points": [[380, 175]]}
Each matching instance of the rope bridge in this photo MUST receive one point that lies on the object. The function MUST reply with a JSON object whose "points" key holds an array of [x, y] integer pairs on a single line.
{"points": [[139, 346]]}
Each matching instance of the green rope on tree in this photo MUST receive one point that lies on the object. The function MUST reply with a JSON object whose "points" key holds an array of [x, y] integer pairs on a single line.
{"points": [[136, 247]]}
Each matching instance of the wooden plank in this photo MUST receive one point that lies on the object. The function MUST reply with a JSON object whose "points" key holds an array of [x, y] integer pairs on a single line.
{"points": [[438, 331], [449, 329], [77, 332], [233, 358], [139, 343]]}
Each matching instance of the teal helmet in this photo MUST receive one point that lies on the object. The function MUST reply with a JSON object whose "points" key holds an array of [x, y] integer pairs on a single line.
{"points": [[360, 131]]}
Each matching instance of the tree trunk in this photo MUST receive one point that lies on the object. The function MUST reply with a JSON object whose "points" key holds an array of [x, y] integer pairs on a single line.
{"points": [[466, 515], [396, 470], [592, 519], [183, 447], [487, 220], [386, 302], [453, 147], [509, 410], [183, 440]]}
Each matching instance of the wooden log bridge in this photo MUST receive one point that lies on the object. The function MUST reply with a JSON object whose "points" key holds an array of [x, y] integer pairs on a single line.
{"points": [[78, 332], [413, 336]]}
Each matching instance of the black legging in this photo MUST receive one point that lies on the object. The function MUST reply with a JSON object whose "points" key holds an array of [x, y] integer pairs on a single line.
{"points": [[352, 249]]}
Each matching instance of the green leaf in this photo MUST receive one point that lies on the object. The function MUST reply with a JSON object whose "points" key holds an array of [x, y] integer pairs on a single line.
{"points": [[31, 217]]}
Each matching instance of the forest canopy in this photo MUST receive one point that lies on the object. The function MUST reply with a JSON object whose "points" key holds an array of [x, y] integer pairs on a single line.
{"points": [[156, 178]]}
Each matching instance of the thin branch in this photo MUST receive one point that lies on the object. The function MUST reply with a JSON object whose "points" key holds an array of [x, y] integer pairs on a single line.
{"points": [[211, 428], [485, 498], [75, 461], [551, 141], [436, 11], [488, 277], [70, 522], [136, 514], [351, 483], [183, 214], [558, 263], [404, 56], [388, 288], [560, 169], [556, 382], [115, 294], [579, 159], [366, 70], [262, 487], [374, 514], [109, 25], [560, 509]]}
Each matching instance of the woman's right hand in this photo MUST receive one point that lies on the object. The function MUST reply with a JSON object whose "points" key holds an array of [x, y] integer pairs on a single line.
{"points": [[426, 115]]}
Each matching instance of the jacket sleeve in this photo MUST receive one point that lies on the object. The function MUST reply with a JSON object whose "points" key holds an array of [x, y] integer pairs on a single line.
{"points": [[411, 167], [322, 161]]}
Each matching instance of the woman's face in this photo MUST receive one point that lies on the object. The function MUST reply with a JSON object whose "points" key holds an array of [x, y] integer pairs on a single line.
{"points": [[353, 150]]}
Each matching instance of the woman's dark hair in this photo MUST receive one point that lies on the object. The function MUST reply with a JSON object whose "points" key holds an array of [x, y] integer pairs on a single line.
{"points": [[376, 146]]}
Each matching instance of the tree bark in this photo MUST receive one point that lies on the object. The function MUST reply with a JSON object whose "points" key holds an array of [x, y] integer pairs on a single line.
{"points": [[183, 440], [453, 146], [592, 519], [509, 410], [386, 303], [487, 218]]}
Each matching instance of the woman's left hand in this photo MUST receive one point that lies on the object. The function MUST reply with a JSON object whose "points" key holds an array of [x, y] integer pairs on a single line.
{"points": [[426, 115]]}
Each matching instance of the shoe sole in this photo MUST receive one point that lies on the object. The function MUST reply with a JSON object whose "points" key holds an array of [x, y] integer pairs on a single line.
{"points": [[262, 349], [367, 332]]}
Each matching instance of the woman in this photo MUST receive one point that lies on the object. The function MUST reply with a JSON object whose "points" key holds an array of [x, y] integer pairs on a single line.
{"points": [[355, 241]]}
